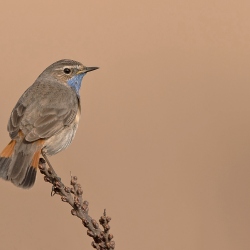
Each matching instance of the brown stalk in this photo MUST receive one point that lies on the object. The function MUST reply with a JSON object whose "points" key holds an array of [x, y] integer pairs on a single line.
{"points": [[73, 196]]}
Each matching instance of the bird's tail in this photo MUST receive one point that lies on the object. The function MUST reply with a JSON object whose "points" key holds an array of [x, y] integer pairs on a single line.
{"points": [[19, 162]]}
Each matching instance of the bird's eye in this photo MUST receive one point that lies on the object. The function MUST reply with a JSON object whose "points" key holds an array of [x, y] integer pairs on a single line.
{"points": [[67, 71]]}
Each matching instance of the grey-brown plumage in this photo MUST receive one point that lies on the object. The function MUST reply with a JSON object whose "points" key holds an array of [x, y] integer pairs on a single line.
{"points": [[45, 118]]}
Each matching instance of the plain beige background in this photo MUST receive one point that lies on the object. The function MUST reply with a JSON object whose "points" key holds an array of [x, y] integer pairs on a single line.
{"points": [[164, 140]]}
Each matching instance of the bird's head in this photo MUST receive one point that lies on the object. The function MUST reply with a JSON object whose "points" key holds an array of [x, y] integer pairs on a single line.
{"points": [[68, 72]]}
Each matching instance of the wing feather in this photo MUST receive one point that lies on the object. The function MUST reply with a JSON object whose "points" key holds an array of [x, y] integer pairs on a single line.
{"points": [[44, 115]]}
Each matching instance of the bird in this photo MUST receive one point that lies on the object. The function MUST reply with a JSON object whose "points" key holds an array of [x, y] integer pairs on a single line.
{"points": [[43, 122]]}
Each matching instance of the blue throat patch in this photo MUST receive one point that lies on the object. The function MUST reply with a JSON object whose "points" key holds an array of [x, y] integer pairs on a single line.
{"points": [[76, 82]]}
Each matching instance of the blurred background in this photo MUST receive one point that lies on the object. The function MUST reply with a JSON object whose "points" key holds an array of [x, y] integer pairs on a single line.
{"points": [[164, 139]]}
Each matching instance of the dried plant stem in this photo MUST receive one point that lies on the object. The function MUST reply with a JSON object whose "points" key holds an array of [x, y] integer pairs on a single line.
{"points": [[73, 196]]}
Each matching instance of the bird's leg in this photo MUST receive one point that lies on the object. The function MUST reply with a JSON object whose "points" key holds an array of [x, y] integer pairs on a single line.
{"points": [[47, 160], [43, 151], [51, 171]]}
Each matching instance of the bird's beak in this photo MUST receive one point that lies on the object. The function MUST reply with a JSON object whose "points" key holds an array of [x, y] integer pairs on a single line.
{"points": [[87, 69]]}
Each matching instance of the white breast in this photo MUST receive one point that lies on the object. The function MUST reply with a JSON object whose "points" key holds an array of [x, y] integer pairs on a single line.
{"points": [[62, 140]]}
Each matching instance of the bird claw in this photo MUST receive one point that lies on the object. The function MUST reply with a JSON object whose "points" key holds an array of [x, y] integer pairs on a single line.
{"points": [[53, 191]]}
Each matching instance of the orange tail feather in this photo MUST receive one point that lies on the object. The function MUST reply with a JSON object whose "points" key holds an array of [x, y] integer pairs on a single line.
{"points": [[9, 149]]}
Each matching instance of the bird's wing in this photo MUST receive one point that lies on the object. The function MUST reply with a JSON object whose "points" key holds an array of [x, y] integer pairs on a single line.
{"points": [[43, 111]]}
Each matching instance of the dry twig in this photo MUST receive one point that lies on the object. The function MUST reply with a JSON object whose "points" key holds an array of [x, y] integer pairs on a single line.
{"points": [[73, 196]]}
